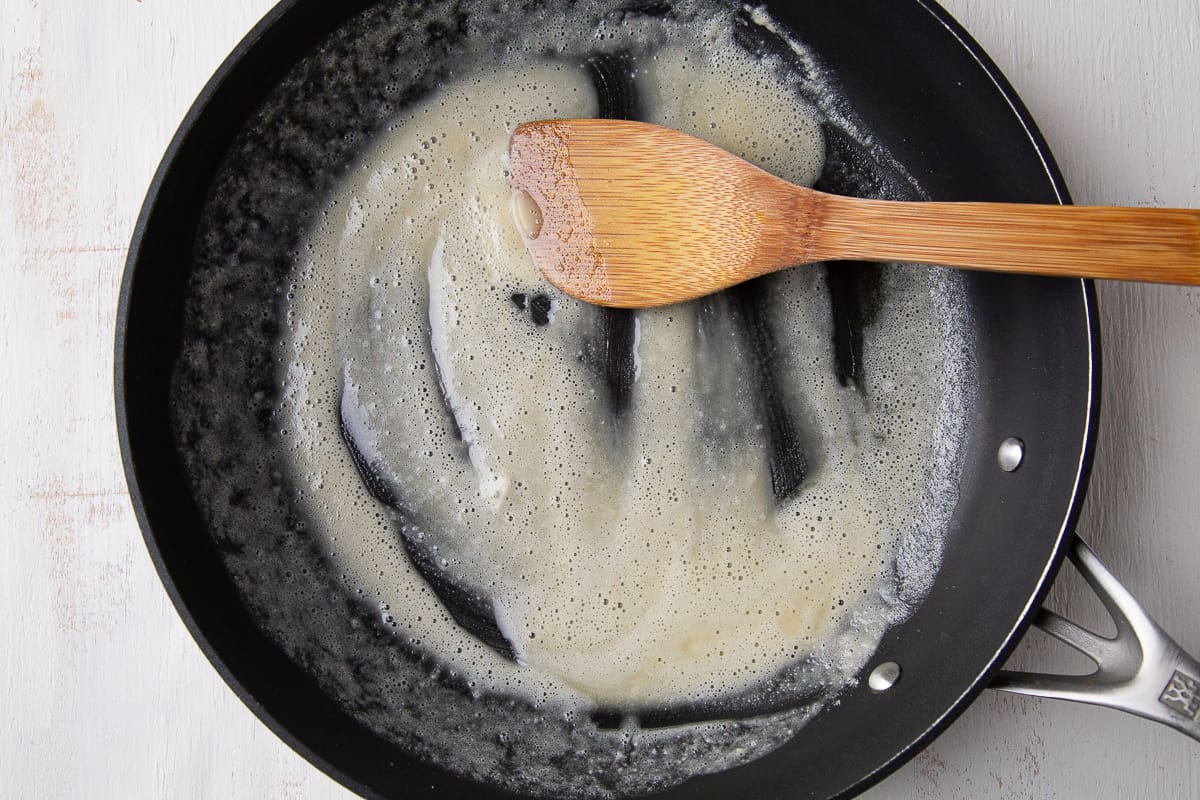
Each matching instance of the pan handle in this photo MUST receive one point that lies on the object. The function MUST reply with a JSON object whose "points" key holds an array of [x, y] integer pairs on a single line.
{"points": [[1141, 670]]}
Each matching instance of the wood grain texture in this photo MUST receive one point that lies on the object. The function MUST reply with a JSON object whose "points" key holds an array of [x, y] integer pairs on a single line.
{"points": [[631, 215], [1152, 245], [635, 215], [102, 692]]}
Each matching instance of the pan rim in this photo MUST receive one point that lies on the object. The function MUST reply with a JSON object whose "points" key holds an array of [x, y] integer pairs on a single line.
{"points": [[1091, 421], [198, 110], [194, 113], [1090, 428]]}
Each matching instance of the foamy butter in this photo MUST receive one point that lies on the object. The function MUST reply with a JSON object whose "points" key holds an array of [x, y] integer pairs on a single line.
{"points": [[639, 559]]}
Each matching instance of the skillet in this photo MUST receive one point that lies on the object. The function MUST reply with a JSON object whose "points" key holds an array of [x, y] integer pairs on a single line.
{"points": [[1036, 346]]}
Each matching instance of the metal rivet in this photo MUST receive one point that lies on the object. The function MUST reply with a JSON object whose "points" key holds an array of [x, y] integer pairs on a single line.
{"points": [[1011, 454], [884, 676]]}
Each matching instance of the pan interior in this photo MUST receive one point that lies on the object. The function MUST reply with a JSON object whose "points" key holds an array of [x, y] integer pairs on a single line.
{"points": [[690, 492], [280, 171]]}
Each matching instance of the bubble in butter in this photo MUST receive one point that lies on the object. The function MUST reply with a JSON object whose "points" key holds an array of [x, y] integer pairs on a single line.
{"points": [[526, 214]]}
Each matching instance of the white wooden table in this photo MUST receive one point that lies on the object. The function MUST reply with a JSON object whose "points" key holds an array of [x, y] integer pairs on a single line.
{"points": [[102, 691]]}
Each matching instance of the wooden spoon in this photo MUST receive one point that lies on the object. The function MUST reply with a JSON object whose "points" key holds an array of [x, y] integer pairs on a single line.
{"points": [[632, 215]]}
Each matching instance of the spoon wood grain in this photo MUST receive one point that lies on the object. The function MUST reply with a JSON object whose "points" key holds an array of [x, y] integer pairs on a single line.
{"points": [[632, 215]]}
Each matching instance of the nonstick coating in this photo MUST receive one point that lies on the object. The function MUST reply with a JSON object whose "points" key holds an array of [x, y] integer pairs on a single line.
{"points": [[926, 91]]}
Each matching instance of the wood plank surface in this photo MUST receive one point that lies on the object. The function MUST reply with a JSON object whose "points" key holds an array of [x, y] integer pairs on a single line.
{"points": [[103, 694]]}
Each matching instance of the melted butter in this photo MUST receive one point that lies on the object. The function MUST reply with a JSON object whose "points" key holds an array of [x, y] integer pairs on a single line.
{"points": [[634, 560]]}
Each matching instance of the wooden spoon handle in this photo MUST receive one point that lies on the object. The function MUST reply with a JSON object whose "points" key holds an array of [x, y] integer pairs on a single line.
{"points": [[1160, 245]]}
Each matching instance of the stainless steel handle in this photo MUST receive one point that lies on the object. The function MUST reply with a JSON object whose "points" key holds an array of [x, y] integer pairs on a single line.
{"points": [[1141, 670]]}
